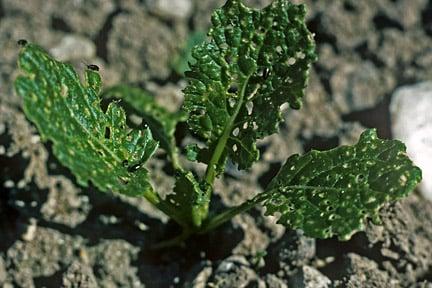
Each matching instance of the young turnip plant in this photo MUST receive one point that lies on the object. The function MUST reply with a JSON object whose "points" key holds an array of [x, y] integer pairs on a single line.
{"points": [[252, 62]]}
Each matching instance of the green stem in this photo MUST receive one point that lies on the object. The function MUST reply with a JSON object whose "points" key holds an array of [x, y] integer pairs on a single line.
{"points": [[225, 216], [221, 145], [175, 162], [176, 241], [163, 206], [228, 214]]}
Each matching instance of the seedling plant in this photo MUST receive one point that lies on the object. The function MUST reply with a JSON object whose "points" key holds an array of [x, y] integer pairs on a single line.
{"points": [[252, 63]]}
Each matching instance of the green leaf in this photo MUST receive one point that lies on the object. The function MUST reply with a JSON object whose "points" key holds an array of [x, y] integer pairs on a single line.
{"points": [[254, 61], [96, 146], [333, 192], [190, 199], [161, 122]]}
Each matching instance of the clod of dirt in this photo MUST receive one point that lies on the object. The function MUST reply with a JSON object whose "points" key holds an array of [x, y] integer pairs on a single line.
{"points": [[65, 204], [79, 275], [309, 277], [11, 29], [318, 115], [395, 48], [140, 47], [112, 262], [254, 240], [405, 233], [48, 252], [362, 272], [235, 271], [291, 252], [358, 85], [84, 17], [74, 47]]}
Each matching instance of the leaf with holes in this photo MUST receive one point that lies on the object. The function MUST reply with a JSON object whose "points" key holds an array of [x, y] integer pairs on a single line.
{"points": [[190, 199], [254, 61], [96, 146], [332, 192], [161, 122]]}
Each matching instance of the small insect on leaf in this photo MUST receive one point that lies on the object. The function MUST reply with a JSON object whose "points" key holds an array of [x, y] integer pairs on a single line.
{"points": [[22, 42], [93, 67]]}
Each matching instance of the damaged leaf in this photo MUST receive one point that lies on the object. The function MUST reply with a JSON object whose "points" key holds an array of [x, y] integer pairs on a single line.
{"points": [[333, 192], [96, 146], [161, 122], [254, 61]]}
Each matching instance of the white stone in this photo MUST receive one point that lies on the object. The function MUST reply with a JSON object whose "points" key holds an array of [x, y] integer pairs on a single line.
{"points": [[411, 113]]}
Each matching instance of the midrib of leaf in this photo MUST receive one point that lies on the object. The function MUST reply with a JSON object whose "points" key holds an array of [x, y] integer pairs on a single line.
{"points": [[221, 145]]}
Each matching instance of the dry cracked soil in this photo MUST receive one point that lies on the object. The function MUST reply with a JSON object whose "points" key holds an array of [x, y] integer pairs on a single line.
{"points": [[54, 233]]}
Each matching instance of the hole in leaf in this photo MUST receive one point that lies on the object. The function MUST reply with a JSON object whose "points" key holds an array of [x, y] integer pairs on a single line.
{"points": [[134, 168], [107, 133], [266, 72], [228, 59], [360, 177], [233, 89], [123, 181]]}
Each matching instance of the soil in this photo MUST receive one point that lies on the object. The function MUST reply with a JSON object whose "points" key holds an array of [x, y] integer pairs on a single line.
{"points": [[54, 233]]}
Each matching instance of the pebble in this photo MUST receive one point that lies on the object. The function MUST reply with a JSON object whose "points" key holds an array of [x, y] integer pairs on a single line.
{"points": [[411, 116], [309, 277], [9, 184], [30, 234]]}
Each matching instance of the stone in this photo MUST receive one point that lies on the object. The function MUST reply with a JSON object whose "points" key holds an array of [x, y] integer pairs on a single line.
{"points": [[412, 124], [79, 275], [362, 272], [309, 277], [141, 47], [235, 271], [293, 251]]}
